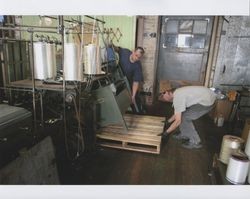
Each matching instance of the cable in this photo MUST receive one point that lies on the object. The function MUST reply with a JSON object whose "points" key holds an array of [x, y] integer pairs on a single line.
{"points": [[80, 132]]}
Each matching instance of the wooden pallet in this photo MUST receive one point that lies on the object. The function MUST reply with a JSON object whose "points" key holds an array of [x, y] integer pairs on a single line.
{"points": [[142, 134]]}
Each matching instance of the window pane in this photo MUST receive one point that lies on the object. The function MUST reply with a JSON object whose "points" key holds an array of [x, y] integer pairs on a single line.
{"points": [[172, 26], [200, 27], [186, 26], [1, 18], [171, 40], [184, 40], [198, 41]]}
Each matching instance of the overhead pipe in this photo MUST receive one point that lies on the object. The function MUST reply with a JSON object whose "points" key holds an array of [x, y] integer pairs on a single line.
{"points": [[15, 89], [69, 21], [29, 26], [36, 29], [28, 29], [95, 19]]}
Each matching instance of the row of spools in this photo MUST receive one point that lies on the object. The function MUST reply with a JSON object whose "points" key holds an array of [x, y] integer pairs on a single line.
{"points": [[235, 153], [45, 61]]}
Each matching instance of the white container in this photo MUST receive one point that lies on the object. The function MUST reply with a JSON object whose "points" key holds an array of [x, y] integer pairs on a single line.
{"points": [[247, 147], [237, 169], [215, 120], [220, 121], [230, 145]]}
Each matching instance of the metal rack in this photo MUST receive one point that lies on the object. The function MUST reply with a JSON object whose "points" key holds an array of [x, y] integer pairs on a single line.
{"points": [[36, 86]]}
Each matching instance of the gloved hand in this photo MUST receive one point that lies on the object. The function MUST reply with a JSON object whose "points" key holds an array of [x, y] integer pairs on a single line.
{"points": [[166, 126]]}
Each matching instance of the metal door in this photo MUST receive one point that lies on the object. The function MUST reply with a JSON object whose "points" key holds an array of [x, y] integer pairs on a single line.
{"points": [[184, 44], [233, 64]]}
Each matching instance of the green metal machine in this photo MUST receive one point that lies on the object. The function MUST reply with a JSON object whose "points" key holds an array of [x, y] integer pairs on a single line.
{"points": [[112, 101]]}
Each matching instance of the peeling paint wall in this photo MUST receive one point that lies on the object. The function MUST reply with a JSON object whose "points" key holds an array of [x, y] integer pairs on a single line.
{"points": [[149, 43]]}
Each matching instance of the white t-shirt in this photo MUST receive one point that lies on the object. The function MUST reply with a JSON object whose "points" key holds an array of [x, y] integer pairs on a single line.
{"points": [[187, 96]]}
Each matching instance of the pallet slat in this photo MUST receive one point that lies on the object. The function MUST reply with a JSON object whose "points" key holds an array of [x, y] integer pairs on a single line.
{"points": [[152, 120], [138, 130], [133, 148], [142, 134], [131, 138]]}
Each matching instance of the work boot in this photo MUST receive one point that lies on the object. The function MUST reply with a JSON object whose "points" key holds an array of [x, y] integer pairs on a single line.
{"points": [[191, 145], [178, 136]]}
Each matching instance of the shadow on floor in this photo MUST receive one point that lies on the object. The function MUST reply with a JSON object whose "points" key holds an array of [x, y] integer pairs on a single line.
{"points": [[173, 166]]}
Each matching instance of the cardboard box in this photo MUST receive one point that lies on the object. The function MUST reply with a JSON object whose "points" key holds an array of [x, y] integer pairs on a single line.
{"points": [[222, 108], [164, 85], [168, 84], [246, 129]]}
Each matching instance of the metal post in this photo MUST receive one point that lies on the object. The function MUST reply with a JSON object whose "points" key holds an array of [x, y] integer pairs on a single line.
{"points": [[33, 80], [3, 65], [61, 31], [41, 106], [6, 72]]}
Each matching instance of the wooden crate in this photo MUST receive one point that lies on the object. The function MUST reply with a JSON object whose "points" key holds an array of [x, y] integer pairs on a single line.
{"points": [[222, 108], [142, 134]]}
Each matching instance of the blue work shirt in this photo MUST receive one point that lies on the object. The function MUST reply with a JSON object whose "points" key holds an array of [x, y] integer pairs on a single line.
{"points": [[133, 71]]}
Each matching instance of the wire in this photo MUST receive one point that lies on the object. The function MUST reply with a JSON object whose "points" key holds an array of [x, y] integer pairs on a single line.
{"points": [[80, 132], [93, 31]]}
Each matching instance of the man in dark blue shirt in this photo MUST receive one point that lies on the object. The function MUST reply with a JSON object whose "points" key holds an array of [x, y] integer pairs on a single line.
{"points": [[131, 66]]}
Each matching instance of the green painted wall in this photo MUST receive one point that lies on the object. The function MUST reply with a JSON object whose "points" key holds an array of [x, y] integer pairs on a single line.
{"points": [[126, 25], [41, 21]]}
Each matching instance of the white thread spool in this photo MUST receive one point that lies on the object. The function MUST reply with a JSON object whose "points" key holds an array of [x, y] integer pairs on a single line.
{"points": [[247, 148], [40, 61], [51, 60], [230, 144], [72, 66], [92, 60], [237, 169], [248, 175], [247, 151]]}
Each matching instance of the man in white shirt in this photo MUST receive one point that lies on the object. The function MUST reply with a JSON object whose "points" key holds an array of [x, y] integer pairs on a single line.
{"points": [[190, 103]]}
